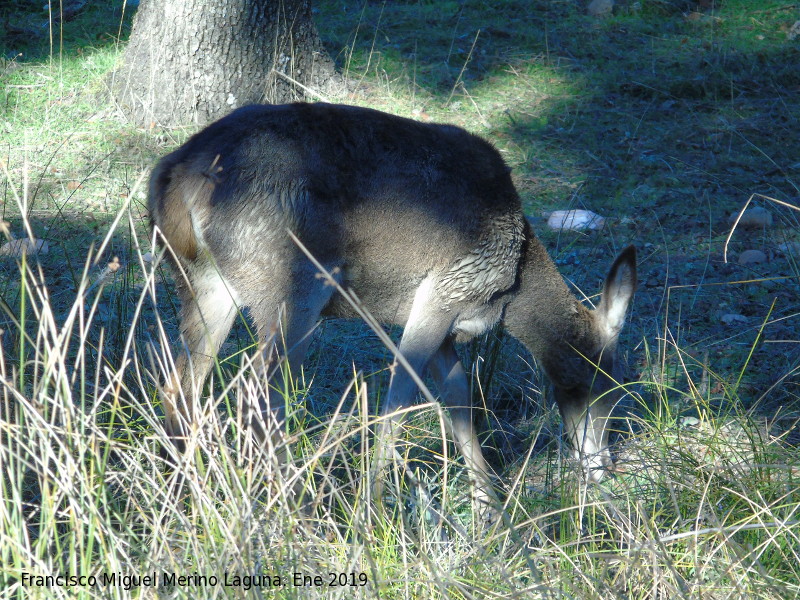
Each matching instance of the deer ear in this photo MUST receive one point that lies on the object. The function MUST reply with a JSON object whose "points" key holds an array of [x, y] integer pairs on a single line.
{"points": [[617, 293]]}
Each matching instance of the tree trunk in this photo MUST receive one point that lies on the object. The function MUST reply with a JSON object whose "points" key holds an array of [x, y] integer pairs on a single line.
{"points": [[193, 61]]}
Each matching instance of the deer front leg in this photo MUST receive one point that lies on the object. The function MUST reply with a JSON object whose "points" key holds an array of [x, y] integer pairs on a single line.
{"points": [[450, 378], [426, 329]]}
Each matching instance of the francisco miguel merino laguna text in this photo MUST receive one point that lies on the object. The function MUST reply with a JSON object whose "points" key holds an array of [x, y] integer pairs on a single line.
{"points": [[169, 580]]}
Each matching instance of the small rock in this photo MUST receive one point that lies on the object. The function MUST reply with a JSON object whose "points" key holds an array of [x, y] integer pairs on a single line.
{"points": [[652, 282], [731, 319], [576, 220], [689, 421], [753, 217], [752, 257], [794, 31], [789, 248], [600, 8], [667, 105], [17, 248]]}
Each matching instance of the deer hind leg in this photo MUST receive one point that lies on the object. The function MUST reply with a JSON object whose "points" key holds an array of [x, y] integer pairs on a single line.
{"points": [[285, 317], [284, 335], [208, 308], [451, 380]]}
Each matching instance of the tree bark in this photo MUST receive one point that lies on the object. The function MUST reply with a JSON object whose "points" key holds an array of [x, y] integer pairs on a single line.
{"points": [[193, 61]]}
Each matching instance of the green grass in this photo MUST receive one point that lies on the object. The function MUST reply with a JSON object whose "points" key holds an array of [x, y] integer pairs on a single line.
{"points": [[663, 123]]}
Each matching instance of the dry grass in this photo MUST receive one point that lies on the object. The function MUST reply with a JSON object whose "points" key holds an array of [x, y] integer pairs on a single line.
{"points": [[706, 505]]}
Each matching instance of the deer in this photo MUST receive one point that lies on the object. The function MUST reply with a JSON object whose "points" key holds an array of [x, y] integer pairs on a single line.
{"points": [[421, 221]]}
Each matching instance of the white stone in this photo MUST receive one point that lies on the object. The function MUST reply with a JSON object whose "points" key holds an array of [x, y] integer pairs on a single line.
{"points": [[576, 220]]}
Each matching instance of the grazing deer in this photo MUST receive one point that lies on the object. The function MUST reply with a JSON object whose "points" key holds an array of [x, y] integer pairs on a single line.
{"points": [[421, 221]]}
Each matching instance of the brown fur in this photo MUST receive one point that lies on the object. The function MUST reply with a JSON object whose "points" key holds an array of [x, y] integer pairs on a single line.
{"points": [[421, 221]]}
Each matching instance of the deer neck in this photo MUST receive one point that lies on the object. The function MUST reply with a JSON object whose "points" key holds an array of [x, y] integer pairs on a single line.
{"points": [[545, 316]]}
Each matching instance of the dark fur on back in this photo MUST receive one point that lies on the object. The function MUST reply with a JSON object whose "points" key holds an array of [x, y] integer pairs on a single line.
{"points": [[325, 171], [342, 155]]}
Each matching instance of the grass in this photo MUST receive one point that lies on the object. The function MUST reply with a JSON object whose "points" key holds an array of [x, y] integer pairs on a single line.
{"points": [[664, 123]]}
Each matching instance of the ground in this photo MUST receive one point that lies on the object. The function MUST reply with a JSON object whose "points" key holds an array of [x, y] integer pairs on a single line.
{"points": [[664, 117]]}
